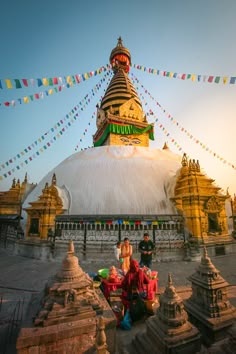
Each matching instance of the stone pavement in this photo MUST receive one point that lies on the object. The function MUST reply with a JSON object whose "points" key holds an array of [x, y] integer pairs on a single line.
{"points": [[21, 277]]}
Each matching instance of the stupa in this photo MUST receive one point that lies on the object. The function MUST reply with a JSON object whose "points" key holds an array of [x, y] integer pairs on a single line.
{"points": [[169, 330], [69, 319], [208, 307], [122, 186]]}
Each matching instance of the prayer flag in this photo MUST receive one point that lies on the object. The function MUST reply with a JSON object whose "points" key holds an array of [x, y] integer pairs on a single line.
{"points": [[232, 80], [8, 83], [25, 82], [210, 79], [55, 81], [225, 79], [26, 99], [18, 84], [45, 81], [217, 79], [40, 83]]}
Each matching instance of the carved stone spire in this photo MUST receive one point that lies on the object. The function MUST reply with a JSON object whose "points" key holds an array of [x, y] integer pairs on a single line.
{"points": [[208, 306], [169, 330]]}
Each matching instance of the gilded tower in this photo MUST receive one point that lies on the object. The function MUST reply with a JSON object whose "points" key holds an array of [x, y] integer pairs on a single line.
{"points": [[120, 117], [42, 213], [201, 203]]}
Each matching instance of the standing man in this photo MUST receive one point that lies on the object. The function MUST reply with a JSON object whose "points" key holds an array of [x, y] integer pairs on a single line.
{"points": [[146, 248]]}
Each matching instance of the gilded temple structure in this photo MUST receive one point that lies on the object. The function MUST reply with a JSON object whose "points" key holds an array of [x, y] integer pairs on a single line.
{"points": [[123, 186]]}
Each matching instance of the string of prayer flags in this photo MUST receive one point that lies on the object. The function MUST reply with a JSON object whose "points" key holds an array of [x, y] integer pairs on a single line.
{"points": [[41, 95], [76, 78], [182, 129], [193, 77], [71, 116]]}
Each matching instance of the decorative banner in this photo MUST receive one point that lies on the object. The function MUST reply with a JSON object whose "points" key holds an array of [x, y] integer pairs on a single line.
{"points": [[52, 140], [123, 129], [189, 135], [193, 77], [71, 79], [67, 84]]}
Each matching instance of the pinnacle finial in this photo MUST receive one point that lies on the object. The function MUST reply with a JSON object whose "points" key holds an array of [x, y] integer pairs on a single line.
{"points": [[54, 179], [71, 248], [170, 281], [184, 160], [120, 42], [165, 147]]}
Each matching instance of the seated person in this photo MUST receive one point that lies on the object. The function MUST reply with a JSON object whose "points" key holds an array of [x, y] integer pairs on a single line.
{"points": [[134, 280]]}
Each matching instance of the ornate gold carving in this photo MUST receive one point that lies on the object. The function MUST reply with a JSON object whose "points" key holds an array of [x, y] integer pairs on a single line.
{"points": [[213, 205], [131, 111]]}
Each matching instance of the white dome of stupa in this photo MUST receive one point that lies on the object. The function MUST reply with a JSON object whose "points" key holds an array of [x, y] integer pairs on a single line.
{"points": [[115, 180]]}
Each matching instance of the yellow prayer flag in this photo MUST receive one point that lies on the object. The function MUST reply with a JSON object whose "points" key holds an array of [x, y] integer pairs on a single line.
{"points": [[50, 91], [68, 80], [45, 81], [86, 76], [8, 83], [171, 74], [26, 99], [225, 79], [193, 77]]}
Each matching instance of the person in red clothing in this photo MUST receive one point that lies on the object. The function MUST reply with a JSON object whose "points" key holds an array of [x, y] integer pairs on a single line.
{"points": [[134, 280]]}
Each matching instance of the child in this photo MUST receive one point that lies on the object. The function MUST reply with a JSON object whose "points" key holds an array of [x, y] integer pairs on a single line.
{"points": [[117, 251]]}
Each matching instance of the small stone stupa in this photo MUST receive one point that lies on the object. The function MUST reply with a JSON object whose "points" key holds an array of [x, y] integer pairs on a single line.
{"points": [[169, 331], [208, 307], [67, 321]]}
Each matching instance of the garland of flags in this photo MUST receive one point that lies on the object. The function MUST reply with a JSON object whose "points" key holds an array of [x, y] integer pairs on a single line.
{"points": [[70, 79], [125, 222], [189, 135], [81, 106], [67, 82], [192, 77], [85, 132]]}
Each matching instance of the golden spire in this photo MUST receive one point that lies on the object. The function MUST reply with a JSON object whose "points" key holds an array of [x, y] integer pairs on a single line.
{"points": [[120, 117]]}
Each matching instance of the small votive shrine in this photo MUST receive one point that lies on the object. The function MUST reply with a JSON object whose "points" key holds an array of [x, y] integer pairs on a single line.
{"points": [[67, 321], [169, 330], [208, 307]]}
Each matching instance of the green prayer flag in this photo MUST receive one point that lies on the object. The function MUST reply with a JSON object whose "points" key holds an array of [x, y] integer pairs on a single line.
{"points": [[18, 84]]}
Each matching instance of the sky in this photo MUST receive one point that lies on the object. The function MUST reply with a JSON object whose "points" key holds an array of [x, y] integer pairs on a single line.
{"points": [[47, 39]]}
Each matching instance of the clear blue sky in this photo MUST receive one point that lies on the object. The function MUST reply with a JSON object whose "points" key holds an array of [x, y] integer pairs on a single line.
{"points": [[59, 38]]}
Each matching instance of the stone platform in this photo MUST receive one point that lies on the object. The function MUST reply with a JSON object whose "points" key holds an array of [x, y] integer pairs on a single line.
{"points": [[23, 277]]}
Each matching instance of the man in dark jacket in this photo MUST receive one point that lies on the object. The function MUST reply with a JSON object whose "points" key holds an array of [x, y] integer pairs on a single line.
{"points": [[146, 248]]}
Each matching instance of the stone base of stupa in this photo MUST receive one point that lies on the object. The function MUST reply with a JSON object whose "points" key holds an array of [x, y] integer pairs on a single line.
{"points": [[184, 340], [212, 329]]}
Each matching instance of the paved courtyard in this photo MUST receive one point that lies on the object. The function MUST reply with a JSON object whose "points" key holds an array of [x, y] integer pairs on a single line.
{"points": [[21, 278]]}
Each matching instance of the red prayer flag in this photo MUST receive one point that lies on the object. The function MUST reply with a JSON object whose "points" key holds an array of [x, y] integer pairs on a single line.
{"points": [[55, 80], [210, 79], [25, 82]]}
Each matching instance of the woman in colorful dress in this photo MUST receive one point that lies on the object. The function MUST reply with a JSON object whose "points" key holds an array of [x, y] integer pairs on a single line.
{"points": [[126, 252]]}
